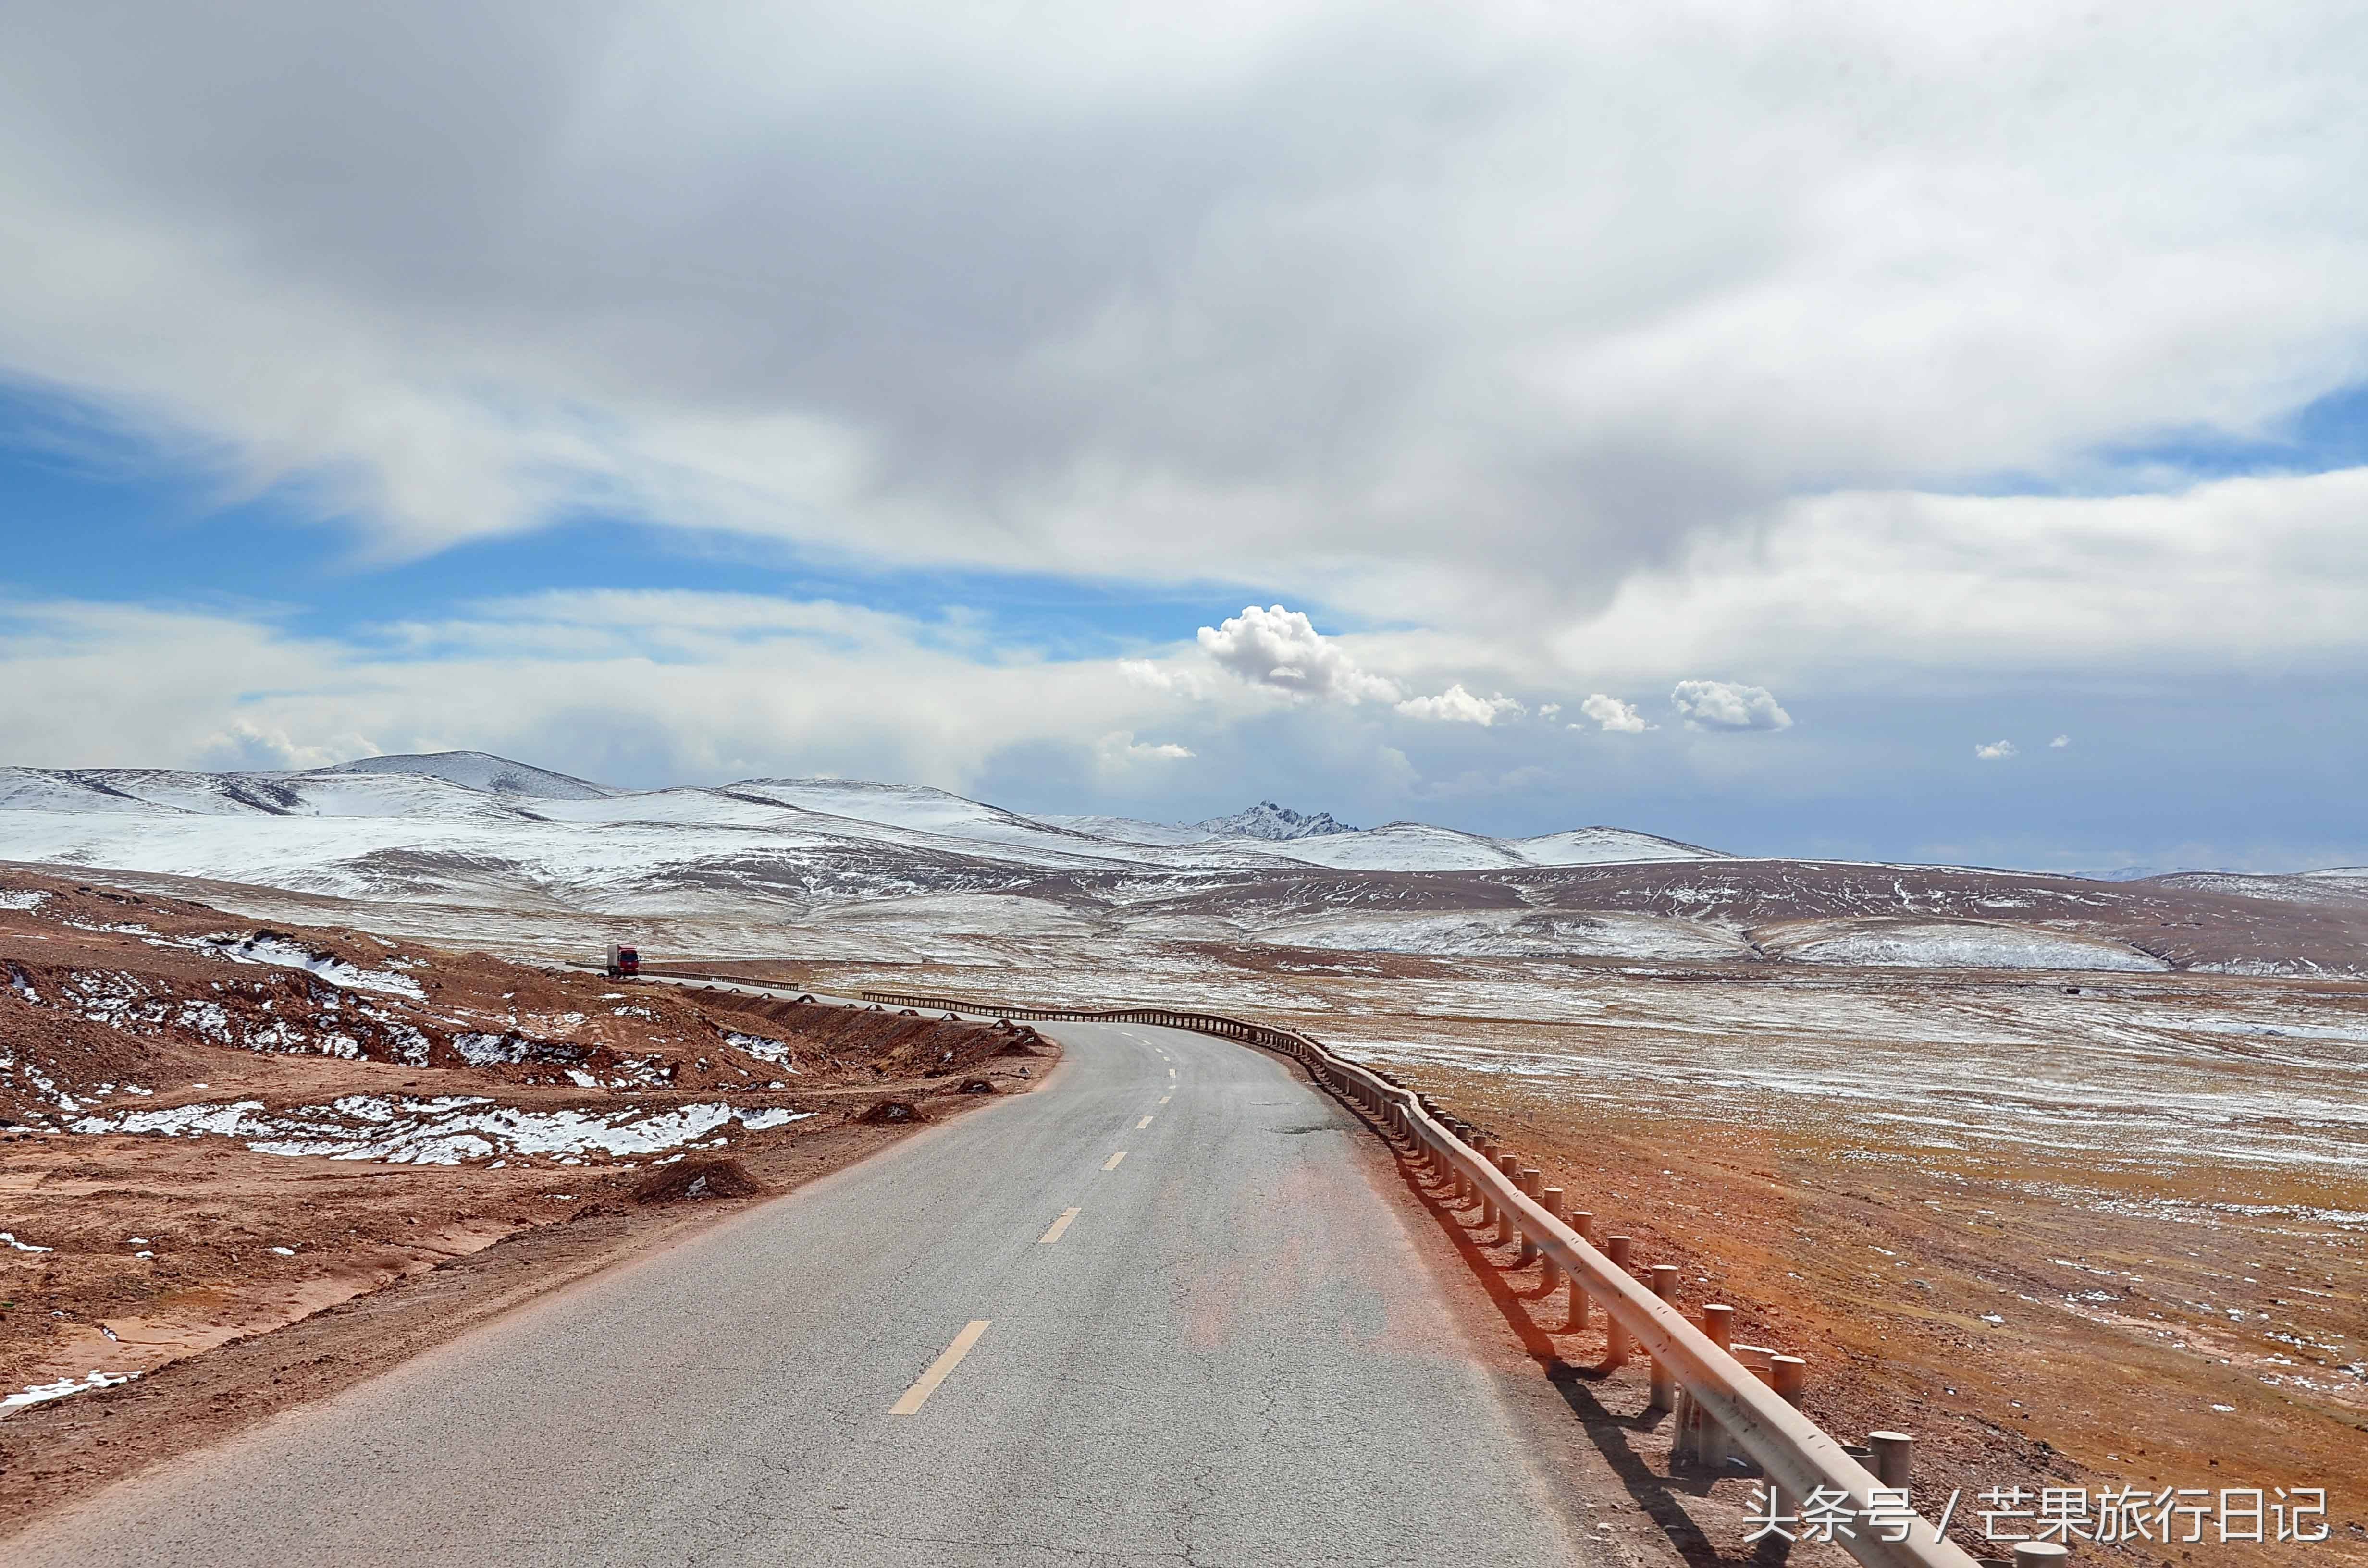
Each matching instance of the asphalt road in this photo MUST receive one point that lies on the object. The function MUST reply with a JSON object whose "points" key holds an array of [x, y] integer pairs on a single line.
{"points": [[1230, 1354]]}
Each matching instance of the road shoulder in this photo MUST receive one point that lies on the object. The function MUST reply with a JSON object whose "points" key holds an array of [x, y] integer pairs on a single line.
{"points": [[55, 1455]]}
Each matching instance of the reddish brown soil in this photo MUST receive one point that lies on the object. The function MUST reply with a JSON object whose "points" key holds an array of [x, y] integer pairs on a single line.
{"points": [[1881, 1273]]}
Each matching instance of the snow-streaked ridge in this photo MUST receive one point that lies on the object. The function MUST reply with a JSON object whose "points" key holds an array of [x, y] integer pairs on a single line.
{"points": [[1275, 823], [479, 770]]}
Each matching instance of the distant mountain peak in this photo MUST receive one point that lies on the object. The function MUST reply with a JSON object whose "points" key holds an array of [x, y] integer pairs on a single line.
{"points": [[1268, 821], [479, 770]]}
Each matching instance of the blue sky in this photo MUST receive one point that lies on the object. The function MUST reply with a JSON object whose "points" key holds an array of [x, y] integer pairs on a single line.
{"points": [[803, 389]]}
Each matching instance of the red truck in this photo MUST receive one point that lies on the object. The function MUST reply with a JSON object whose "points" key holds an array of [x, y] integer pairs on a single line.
{"points": [[624, 963]]}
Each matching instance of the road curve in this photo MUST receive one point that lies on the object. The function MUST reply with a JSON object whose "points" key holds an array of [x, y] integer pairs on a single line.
{"points": [[1230, 1354]]}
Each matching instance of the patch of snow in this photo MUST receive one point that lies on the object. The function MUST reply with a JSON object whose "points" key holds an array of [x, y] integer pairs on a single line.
{"points": [[41, 1393], [1507, 933], [499, 1049], [25, 899], [285, 954], [764, 1120], [443, 1131], [1950, 944], [762, 1047], [22, 1247]]}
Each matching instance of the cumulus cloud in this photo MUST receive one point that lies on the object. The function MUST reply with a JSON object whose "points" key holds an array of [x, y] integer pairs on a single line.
{"points": [[1457, 706], [1728, 705], [1610, 713], [1281, 649], [1120, 748], [1997, 750], [2059, 742], [242, 746]]}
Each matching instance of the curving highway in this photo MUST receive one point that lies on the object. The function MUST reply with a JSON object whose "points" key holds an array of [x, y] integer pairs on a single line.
{"points": [[1153, 1312]]}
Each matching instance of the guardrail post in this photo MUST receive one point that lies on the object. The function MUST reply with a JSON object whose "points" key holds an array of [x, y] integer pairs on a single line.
{"points": [[2040, 1553], [1710, 1439], [1550, 1275], [1510, 1165], [1665, 1382], [1891, 1450], [1789, 1376], [1528, 1179], [1583, 1222], [1615, 1338]]}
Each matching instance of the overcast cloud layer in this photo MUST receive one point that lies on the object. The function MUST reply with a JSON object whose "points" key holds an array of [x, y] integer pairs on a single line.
{"points": [[1740, 413]]}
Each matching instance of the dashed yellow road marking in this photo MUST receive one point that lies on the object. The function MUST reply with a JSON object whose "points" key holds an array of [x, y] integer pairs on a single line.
{"points": [[1111, 1164], [1059, 1225], [1143, 1123], [1164, 1098], [926, 1384], [1171, 1072]]}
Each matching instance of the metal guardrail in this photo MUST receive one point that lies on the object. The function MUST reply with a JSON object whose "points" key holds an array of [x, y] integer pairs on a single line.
{"points": [[1798, 1457]]}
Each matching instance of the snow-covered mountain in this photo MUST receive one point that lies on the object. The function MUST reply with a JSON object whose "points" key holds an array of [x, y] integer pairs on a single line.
{"points": [[845, 862], [1279, 825]]}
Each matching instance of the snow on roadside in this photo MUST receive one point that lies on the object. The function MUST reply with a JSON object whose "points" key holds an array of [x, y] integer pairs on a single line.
{"points": [[285, 954], [41, 1393], [24, 899], [763, 1047], [443, 1131]]}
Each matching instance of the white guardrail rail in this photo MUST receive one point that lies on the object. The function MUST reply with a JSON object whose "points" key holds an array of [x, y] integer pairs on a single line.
{"points": [[1730, 1405]]}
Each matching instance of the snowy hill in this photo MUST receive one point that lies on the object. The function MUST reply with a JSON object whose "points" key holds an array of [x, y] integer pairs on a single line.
{"points": [[468, 842], [479, 770], [1279, 824], [1128, 830], [1602, 846]]}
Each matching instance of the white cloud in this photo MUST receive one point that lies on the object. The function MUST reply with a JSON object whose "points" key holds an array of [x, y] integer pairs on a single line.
{"points": [[1457, 706], [1163, 678], [1894, 592], [1224, 294], [1120, 748], [634, 687], [1996, 751], [1728, 705], [1548, 710], [1610, 713], [2059, 742], [1281, 649], [241, 746]]}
